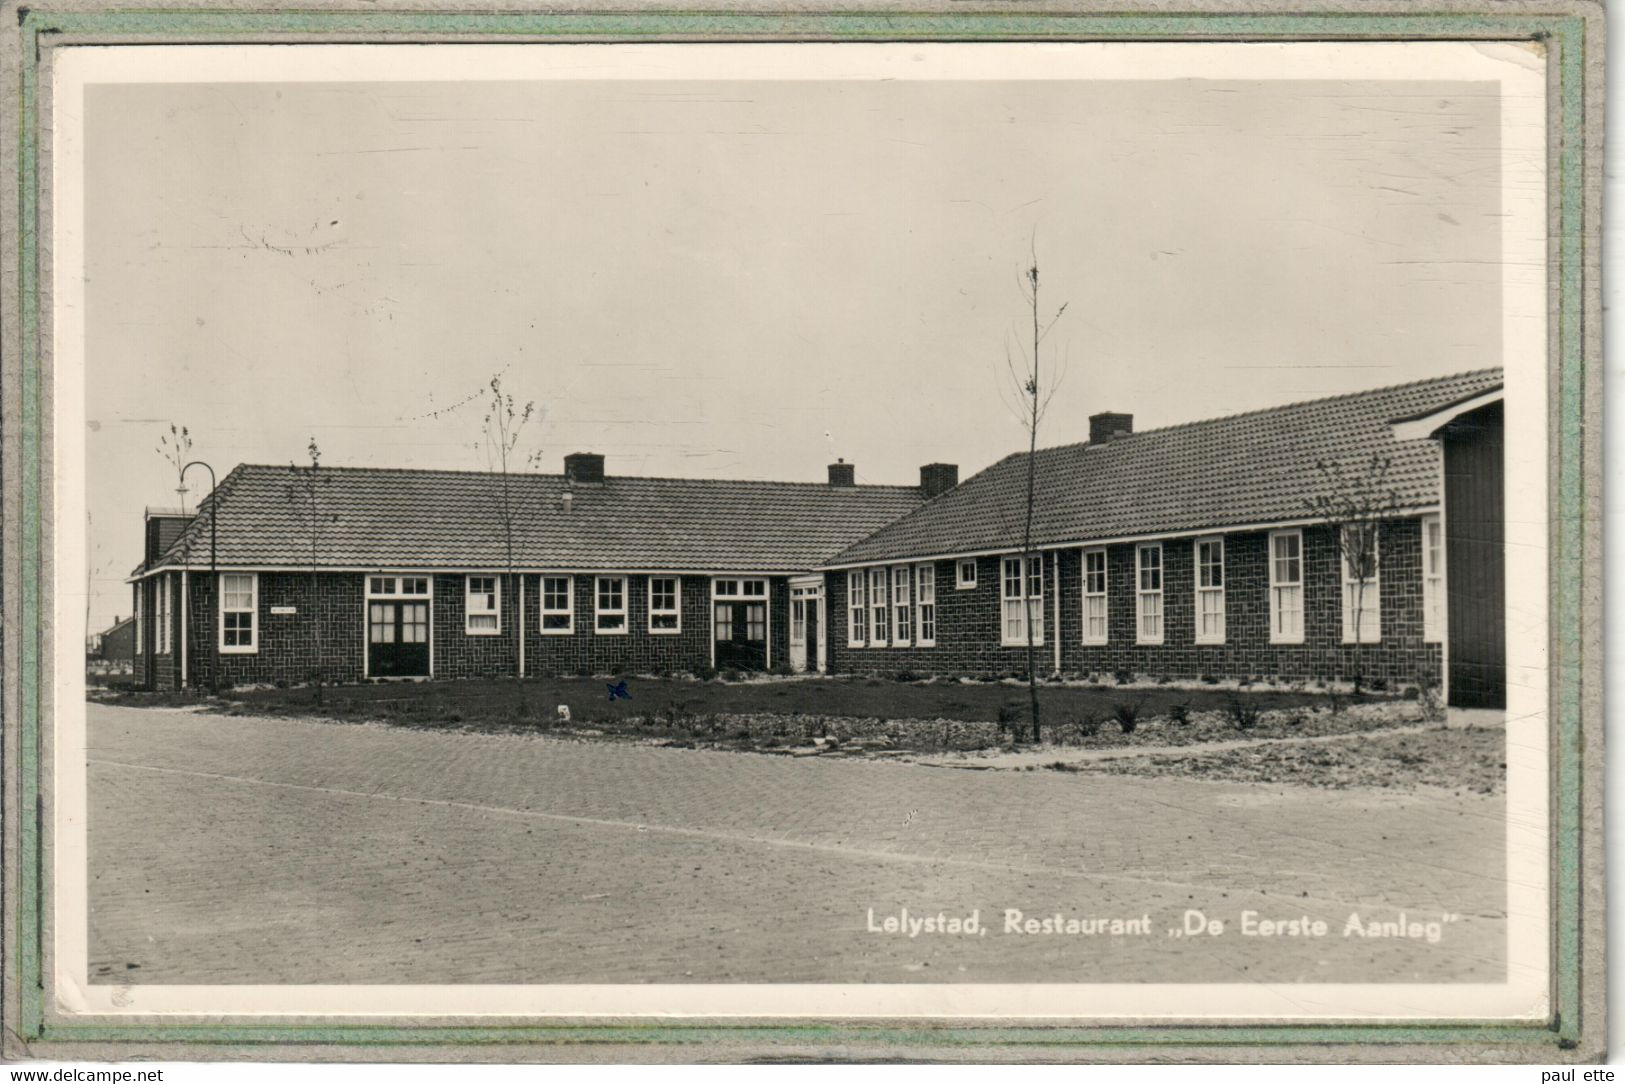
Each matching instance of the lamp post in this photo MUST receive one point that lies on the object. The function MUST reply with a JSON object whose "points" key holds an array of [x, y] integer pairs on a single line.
{"points": [[214, 575]]}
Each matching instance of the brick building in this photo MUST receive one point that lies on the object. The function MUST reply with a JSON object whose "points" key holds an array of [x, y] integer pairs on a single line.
{"points": [[1188, 551]]}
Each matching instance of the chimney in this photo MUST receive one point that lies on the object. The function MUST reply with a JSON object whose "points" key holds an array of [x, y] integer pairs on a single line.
{"points": [[567, 501], [842, 473], [1107, 426], [938, 478], [584, 469]]}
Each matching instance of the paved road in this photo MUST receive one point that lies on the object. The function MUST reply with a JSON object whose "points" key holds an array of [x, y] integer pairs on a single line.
{"points": [[249, 850]]}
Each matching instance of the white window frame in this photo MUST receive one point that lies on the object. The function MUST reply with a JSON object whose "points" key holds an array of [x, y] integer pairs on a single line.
{"points": [[140, 619], [857, 608], [253, 609], [469, 610], [961, 581], [1278, 635], [1434, 617], [544, 611], [902, 609], [879, 607], [1209, 593], [1030, 606], [925, 603], [1371, 608], [1144, 596], [600, 611], [161, 616], [676, 609], [1104, 595]]}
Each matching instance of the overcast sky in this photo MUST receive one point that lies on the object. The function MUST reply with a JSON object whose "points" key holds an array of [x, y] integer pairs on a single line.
{"points": [[750, 279]]}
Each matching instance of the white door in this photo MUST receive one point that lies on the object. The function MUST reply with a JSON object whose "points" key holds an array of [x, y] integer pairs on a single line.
{"points": [[798, 635]]}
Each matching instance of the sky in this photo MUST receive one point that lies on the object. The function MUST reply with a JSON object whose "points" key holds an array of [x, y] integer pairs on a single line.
{"points": [[751, 279]]}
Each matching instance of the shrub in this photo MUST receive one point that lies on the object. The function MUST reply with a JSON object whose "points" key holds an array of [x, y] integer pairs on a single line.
{"points": [[903, 677], [1377, 684], [1163, 679], [1088, 726], [1242, 710], [1127, 713], [1411, 693], [1210, 679], [1123, 677], [1012, 711], [706, 673], [782, 668], [730, 675], [1180, 714]]}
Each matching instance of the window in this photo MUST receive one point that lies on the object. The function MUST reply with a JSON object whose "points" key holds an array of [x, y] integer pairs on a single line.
{"points": [[665, 615], [1094, 596], [925, 591], [902, 610], [1210, 590], [857, 622], [558, 605], [965, 574], [1286, 587], [161, 615], [877, 607], [798, 621], [140, 619], [1362, 594], [1021, 601], [398, 585], [1148, 595], [724, 624], [239, 604], [1433, 596], [482, 606], [611, 612]]}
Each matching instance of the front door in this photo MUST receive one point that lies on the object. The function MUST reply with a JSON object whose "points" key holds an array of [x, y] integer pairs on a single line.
{"points": [[397, 638], [741, 632]]}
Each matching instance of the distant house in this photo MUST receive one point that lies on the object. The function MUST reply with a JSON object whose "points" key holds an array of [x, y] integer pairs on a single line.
{"points": [[117, 642], [1187, 551]]}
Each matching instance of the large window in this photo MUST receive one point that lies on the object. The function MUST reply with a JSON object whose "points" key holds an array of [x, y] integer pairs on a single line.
{"points": [[665, 613], [1433, 596], [877, 608], [1021, 601], [902, 609], [558, 605], [1148, 593], [1094, 596], [1362, 594], [611, 604], [858, 625], [239, 608], [482, 604], [1210, 590], [1286, 587], [925, 592]]}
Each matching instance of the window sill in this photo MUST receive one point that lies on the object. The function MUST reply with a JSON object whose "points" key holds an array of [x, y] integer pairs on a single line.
{"points": [[926, 643], [964, 587], [1286, 641], [482, 632], [1209, 641], [1349, 641], [1094, 643], [1149, 643], [609, 632], [1037, 642], [665, 632], [224, 650], [557, 632]]}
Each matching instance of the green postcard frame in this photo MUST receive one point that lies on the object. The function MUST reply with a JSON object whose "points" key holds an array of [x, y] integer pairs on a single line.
{"points": [[1572, 31]]}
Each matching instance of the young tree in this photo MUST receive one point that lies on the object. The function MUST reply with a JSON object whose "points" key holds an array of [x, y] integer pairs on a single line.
{"points": [[501, 428], [307, 495], [1033, 396], [1355, 499]]}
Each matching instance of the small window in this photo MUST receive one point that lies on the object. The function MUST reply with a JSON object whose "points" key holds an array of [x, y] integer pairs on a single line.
{"points": [[965, 574], [1148, 596], [381, 585], [1433, 596], [858, 624], [753, 588], [239, 608], [558, 605], [664, 613], [414, 585], [611, 610], [1362, 592], [878, 623], [925, 590], [1021, 601], [1286, 587], [902, 612], [482, 609], [1095, 630], [1210, 590]]}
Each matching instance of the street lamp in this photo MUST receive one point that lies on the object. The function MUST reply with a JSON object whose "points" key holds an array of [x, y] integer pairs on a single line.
{"points": [[214, 575]]}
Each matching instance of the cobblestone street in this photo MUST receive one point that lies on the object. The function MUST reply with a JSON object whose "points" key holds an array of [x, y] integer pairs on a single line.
{"points": [[251, 850]]}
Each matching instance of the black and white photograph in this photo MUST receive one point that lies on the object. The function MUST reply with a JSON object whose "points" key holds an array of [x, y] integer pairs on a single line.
{"points": [[992, 531]]}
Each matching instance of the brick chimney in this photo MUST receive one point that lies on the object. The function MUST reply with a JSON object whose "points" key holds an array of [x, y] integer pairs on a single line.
{"points": [[938, 478], [842, 473], [1105, 426], [584, 469]]}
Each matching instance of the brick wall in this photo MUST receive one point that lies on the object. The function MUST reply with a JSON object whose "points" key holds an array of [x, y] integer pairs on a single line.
{"points": [[331, 619], [968, 620]]}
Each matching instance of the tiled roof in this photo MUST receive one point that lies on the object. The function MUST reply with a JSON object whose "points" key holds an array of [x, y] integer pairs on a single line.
{"points": [[1253, 468], [418, 519]]}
